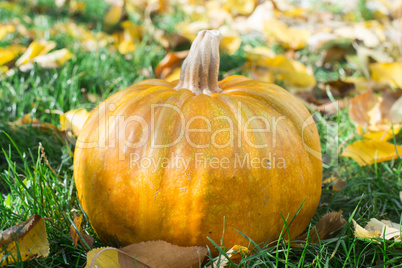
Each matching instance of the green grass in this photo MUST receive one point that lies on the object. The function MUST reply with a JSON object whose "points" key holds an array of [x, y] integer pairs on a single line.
{"points": [[29, 186]]}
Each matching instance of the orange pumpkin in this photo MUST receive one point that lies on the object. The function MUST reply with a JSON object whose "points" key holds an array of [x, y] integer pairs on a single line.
{"points": [[183, 162]]}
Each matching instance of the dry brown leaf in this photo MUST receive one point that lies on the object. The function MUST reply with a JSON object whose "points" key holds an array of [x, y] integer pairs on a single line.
{"points": [[328, 226], [74, 120], [373, 115], [331, 108], [367, 152], [24, 241], [337, 184], [235, 254], [340, 88], [365, 109], [75, 236], [158, 254]]}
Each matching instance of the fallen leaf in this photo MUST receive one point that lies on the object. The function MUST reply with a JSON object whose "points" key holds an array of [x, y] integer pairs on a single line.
{"points": [[33, 122], [235, 254], [24, 241], [288, 37], [76, 7], [74, 120], [242, 7], [6, 29], [35, 49], [174, 76], [76, 237], [367, 152], [336, 183], [378, 229], [389, 72], [380, 132], [294, 74], [331, 108], [170, 62], [112, 17], [361, 232], [7, 54], [364, 109], [53, 59], [131, 35], [327, 227], [340, 88], [373, 115], [152, 254]]}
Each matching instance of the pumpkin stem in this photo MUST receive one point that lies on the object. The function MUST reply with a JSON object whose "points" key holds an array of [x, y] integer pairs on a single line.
{"points": [[200, 69]]}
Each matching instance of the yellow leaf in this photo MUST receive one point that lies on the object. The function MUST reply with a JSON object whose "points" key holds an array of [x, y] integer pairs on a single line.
{"points": [[294, 74], [175, 75], [378, 229], [3, 69], [54, 59], [76, 7], [6, 29], [146, 254], [235, 254], [9, 53], [35, 49], [361, 232], [126, 47], [380, 132], [24, 241], [230, 41], [243, 7], [389, 72], [367, 152], [74, 120], [289, 37], [112, 17]]}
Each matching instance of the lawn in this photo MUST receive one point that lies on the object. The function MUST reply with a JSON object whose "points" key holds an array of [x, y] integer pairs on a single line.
{"points": [[36, 158]]}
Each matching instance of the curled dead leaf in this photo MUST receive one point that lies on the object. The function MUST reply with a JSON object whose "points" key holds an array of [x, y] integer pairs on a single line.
{"points": [[76, 237], [149, 254], [327, 227]]}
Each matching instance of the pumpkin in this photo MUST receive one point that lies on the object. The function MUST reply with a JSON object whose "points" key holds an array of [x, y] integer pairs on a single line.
{"points": [[198, 158]]}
